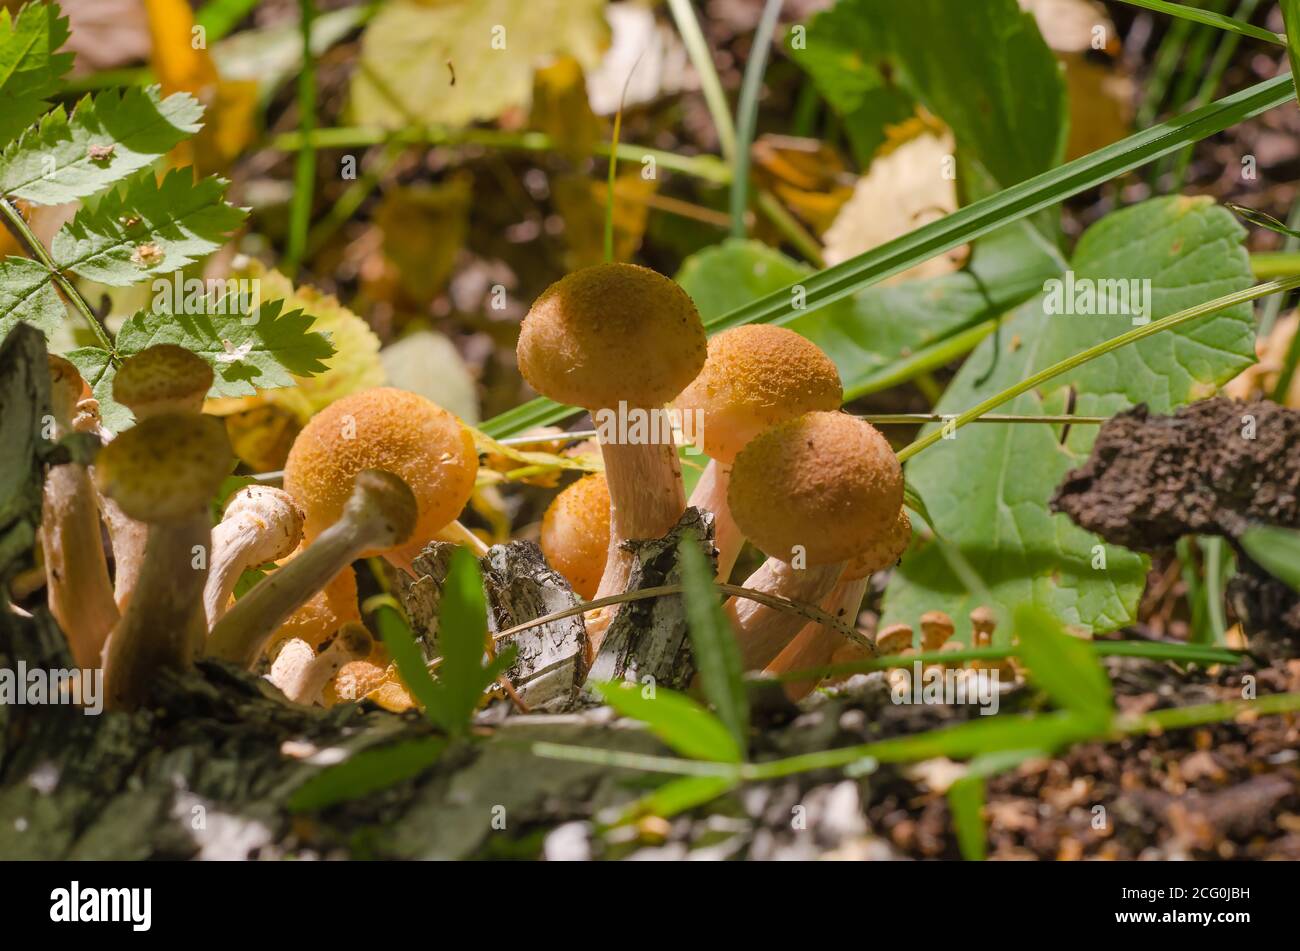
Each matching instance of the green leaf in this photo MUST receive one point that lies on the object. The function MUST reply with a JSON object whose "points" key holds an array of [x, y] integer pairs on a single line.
{"points": [[1209, 18], [104, 141], [1064, 667], [912, 499], [462, 634], [989, 93], [1276, 550], [406, 654], [717, 656], [964, 225], [261, 350], [676, 719], [98, 370], [145, 228], [368, 771], [678, 795], [30, 67], [27, 294], [993, 506]]}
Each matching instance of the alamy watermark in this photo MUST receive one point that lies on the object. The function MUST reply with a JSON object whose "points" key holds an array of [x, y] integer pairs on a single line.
{"points": [[934, 684], [1098, 297], [190, 295], [58, 686], [637, 426]]}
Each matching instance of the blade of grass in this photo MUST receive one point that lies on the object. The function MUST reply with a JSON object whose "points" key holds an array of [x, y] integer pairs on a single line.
{"points": [[304, 178], [717, 656], [1209, 18], [1291, 18], [747, 113], [697, 48], [964, 225], [1078, 359]]}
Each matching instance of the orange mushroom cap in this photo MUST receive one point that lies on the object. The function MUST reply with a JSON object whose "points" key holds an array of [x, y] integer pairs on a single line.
{"points": [[575, 533], [757, 376], [389, 429], [824, 482], [612, 332], [882, 552]]}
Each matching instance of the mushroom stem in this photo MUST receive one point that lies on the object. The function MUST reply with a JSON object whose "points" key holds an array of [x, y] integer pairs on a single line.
{"points": [[380, 513], [710, 495], [816, 644], [302, 674], [127, 538], [762, 632], [163, 624]]}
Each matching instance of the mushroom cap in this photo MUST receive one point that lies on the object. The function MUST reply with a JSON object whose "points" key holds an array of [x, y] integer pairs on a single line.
{"points": [[575, 533], [275, 514], [825, 483], [384, 428], [757, 376], [894, 639], [612, 332], [66, 386], [882, 552], [167, 467], [163, 378], [323, 613], [386, 504]]}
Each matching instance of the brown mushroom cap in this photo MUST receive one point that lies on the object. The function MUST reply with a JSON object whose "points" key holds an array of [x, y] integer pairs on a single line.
{"points": [[757, 376], [612, 332], [575, 533], [164, 378], [384, 428], [166, 467], [882, 552], [825, 482]]}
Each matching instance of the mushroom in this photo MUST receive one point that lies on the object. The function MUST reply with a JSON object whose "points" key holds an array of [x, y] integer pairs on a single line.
{"points": [[894, 639], [755, 377], [394, 430], [78, 587], [575, 533], [320, 616], [260, 524], [620, 341], [164, 473], [301, 673], [379, 514], [160, 379], [817, 645], [811, 493]]}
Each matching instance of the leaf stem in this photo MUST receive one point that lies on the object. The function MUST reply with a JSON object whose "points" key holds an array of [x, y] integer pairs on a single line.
{"points": [[13, 220], [1106, 346]]}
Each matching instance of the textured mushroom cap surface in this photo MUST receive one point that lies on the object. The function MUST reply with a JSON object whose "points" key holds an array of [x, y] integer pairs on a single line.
{"points": [[162, 378], [166, 467], [882, 551], [384, 428], [757, 376], [575, 533], [612, 332], [825, 482]]}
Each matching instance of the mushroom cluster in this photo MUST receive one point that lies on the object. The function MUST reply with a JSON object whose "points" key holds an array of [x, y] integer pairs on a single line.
{"points": [[818, 492], [374, 472]]}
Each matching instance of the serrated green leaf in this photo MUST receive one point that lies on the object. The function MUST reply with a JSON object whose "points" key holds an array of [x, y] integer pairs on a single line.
{"points": [[679, 721], [717, 657], [104, 141], [245, 353], [1064, 667], [27, 294], [98, 370], [993, 505], [368, 771], [30, 67], [146, 227], [1276, 550]]}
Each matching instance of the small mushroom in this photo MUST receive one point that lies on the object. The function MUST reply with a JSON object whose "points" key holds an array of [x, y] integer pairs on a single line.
{"points": [[893, 639], [160, 379], [575, 533], [817, 645], [379, 515], [811, 493], [162, 472], [260, 524], [394, 430], [620, 341], [320, 616], [302, 673], [936, 629], [78, 587], [755, 377]]}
